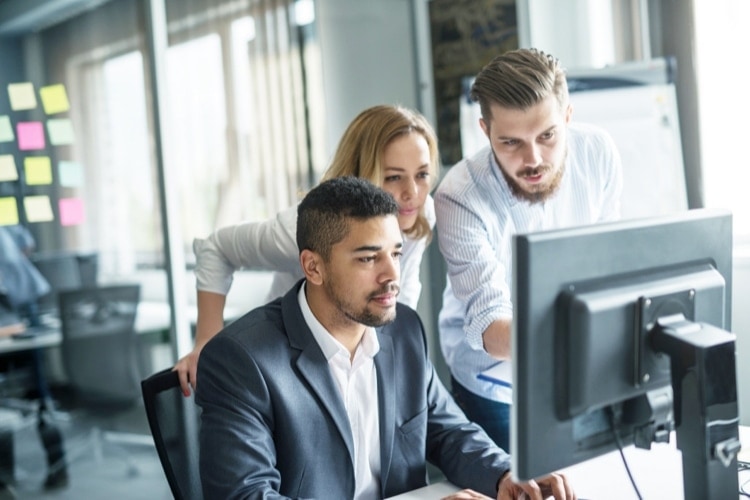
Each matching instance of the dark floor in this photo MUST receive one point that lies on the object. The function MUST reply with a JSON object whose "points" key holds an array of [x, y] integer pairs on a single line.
{"points": [[122, 471]]}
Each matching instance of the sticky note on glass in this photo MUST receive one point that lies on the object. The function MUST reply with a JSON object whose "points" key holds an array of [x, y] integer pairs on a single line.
{"points": [[70, 174], [54, 99], [38, 170], [8, 211], [21, 96], [8, 170], [38, 208], [6, 129], [30, 135], [71, 212], [60, 131]]}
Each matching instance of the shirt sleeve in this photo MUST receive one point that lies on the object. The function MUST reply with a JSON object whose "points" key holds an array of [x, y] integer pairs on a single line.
{"points": [[476, 267], [269, 245]]}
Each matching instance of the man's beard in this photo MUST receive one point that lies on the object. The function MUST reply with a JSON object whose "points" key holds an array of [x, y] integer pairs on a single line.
{"points": [[363, 316], [541, 195]]}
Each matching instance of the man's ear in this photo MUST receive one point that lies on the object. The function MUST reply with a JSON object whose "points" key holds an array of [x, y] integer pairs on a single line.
{"points": [[568, 113], [485, 127], [312, 266]]}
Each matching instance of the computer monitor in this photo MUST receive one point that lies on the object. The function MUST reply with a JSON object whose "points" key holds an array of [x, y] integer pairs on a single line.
{"points": [[624, 327]]}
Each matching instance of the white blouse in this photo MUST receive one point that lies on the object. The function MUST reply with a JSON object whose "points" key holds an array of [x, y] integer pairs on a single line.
{"points": [[271, 245]]}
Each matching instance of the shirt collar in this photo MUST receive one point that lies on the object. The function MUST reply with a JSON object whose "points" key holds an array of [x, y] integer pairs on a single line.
{"points": [[369, 345]]}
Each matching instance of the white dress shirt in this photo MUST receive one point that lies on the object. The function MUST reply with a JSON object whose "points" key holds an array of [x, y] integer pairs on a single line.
{"points": [[357, 382], [271, 245], [477, 216]]}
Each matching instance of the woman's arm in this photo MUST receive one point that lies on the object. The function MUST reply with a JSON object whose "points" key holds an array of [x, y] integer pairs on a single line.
{"points": [[269, 245], [210, 322]]}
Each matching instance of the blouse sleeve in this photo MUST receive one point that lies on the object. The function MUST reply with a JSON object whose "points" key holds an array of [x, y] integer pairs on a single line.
{"points": [[269, 245]]}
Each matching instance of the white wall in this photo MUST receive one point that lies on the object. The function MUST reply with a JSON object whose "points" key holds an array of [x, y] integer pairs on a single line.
{"points": [[368, 56], [741, 327], [575, 31]]}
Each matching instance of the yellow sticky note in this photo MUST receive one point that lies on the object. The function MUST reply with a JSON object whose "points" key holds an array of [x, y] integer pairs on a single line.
{"points": [[8, 170], [60, 131], [6, 129], [54, 99], [21, 96], [38, 170], [8, 211], [38, 208]]}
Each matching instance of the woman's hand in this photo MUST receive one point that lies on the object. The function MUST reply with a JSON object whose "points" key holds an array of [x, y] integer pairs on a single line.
{"points": [[187, 368]]}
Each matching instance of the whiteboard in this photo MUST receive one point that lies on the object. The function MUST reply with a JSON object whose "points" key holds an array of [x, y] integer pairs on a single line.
{"points": [[644, 124]]}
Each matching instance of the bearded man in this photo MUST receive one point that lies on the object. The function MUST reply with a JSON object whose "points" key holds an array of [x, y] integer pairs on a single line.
{"points": [[540, 171]]}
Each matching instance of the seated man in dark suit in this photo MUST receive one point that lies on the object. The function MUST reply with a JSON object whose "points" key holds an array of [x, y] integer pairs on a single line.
{"points": [[328, 392]]}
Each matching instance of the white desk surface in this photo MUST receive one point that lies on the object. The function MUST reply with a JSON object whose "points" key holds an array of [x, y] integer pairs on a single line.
{"points": [[657, 472], [431, 492]]}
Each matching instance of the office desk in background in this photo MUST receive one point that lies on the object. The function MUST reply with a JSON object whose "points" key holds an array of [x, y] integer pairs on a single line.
{"points": [[152, 317], [657, 473]]}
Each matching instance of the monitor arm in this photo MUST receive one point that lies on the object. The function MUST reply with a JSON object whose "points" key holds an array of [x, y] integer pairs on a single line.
{"points": [[704, 382]]}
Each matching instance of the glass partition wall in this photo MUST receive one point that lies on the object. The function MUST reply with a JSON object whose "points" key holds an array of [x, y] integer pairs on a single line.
{"points": [[234, 131]]}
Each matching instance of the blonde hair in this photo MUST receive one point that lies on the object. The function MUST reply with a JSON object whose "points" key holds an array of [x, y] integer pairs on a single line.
{"points": [[360, 151]]}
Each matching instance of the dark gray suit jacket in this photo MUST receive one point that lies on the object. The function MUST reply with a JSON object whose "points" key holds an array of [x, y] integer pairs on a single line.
{"points": [[273, 423]]}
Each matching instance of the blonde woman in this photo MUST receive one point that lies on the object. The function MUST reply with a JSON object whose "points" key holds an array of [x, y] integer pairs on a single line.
{"points": [[391, 146]]}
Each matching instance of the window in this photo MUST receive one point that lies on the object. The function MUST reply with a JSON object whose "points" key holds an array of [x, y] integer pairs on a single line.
{"points": [[239, 131], [724, 104]]}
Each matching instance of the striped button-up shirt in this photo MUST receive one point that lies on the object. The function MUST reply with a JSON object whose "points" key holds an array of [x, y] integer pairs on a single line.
{"points": [[477, 216]]}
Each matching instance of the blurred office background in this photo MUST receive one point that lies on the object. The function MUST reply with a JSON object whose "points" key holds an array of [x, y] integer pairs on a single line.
{"points": [[160, 120]]}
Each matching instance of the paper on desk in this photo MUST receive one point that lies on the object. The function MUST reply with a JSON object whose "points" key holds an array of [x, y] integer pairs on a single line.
{"points": [[501, 376]]}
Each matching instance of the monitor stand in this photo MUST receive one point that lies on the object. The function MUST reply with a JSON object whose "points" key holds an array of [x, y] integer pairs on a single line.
{"points": [[704, 383]]}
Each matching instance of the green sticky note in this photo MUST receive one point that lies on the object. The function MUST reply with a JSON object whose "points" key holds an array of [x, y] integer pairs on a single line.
{"points": [[70, 174], [6, 129], [60, 131]]}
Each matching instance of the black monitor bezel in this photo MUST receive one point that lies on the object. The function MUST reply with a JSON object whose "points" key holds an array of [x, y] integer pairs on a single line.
{"points": [[545, 264]]}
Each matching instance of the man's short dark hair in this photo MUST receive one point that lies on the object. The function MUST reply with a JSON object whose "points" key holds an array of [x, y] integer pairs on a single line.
{"points": [[322, 216]]}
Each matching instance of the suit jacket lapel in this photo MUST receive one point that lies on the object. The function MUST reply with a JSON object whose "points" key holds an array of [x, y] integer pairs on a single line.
{"points": [[384, 367], [314, 368]]}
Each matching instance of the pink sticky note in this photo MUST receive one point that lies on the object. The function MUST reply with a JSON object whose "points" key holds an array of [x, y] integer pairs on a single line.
{"points": [[71, 211], [30, 135]]}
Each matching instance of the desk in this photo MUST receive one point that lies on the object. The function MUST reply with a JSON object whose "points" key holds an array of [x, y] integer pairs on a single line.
{"points": [[151, 317], [657, 472]]}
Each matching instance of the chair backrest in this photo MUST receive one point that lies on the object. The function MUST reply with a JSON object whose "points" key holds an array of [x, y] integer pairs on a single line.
{"points": [[174, 422], [99, 344]]}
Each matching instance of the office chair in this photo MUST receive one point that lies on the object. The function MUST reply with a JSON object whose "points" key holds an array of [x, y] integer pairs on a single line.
{"points": [[174, 424], [100, 360]]}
